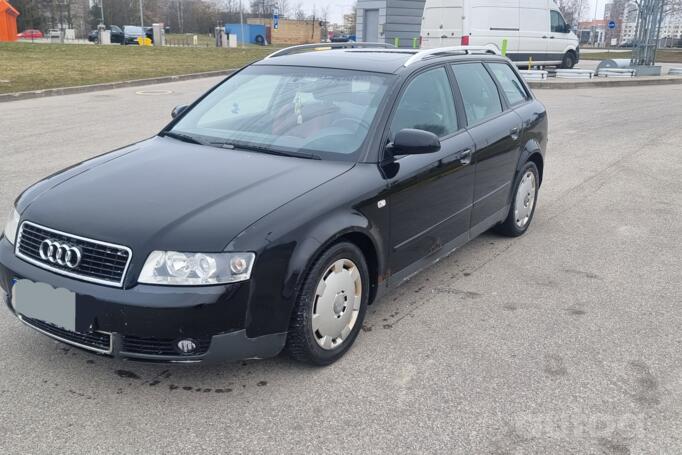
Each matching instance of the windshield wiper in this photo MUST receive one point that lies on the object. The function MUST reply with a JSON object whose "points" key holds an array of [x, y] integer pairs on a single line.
{"points": [[262, 149], [182, 137]]}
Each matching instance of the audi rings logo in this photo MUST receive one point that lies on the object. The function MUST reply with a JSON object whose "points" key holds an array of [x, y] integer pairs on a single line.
{"points": [[60, 253]]}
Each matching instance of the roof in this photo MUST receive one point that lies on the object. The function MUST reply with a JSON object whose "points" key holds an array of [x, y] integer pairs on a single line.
{"points": [[374, 60], [370, 59], [5, 6]]}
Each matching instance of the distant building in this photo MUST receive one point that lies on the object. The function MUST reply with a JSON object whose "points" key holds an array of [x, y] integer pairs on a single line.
{"points": [[670, 32], [291, 31], [389, 21], [593, 32], [349, 23]]}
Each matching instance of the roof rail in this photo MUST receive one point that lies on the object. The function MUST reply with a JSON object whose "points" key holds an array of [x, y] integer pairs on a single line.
{"points": [[328, 46], [454, 50]]}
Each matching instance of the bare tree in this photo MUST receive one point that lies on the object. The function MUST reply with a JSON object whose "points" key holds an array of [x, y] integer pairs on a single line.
{"points": [[299, 13], [572, 10]]}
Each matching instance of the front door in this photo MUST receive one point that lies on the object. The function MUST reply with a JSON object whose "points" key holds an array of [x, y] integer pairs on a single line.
{"points": [[430, 196], [371, 26]]}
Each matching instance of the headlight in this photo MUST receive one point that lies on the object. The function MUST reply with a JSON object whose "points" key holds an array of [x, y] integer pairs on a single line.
{"points": [[12, 226], [196, 269]]}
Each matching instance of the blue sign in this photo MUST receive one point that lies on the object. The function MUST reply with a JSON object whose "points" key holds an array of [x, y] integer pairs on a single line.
{"points": [[275, 19], [612, 25]]}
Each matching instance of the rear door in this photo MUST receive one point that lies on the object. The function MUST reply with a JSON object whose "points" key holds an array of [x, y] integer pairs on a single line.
{"points": [[496, 131], [430, 196], [442, 23]]}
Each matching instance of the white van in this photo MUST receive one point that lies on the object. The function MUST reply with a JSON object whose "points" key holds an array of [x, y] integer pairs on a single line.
{"points": [[532, 28]]}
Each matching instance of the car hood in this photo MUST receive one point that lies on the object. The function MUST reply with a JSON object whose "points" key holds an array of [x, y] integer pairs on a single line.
{"points": [[169, 195]]}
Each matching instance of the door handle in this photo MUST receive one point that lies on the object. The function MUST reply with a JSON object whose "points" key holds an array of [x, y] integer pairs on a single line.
{"points": [[464, 157], [544, 37], [551, 37], [514, 133]]}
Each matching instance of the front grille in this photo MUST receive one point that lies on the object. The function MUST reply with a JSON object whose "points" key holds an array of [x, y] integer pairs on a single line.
{"points": [[155, 346], [101, 262], [95, 341]]}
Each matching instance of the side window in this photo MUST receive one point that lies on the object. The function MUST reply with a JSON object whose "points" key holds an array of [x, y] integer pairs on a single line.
{"points": [[427, 104], [558, 23], [510, 83], [479, 92]]}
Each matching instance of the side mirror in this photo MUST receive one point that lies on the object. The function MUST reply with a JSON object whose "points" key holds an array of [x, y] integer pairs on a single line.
{"points": [[567, 28], [414, 142], [177, 110]]}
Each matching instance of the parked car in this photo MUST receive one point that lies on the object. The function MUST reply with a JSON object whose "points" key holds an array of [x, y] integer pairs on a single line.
{"points": [[30, 34], [54, 33], [340, 39], [534, 29], [133, 32], [115, 32], [271, 212]]}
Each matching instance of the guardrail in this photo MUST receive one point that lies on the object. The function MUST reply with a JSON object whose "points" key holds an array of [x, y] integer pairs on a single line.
{"points": [[534, 75], [574, 74], [617, 72]]}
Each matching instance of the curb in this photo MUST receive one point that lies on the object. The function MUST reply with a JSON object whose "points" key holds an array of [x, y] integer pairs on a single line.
{"points": [[7, 97], [605, 83]]}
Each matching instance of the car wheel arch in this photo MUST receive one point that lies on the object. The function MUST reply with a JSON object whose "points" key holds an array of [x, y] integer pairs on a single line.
{"points": [[531, 152]]}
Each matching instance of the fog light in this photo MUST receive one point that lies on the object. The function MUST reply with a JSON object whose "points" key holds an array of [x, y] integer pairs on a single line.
{"points": [[187, 346]]}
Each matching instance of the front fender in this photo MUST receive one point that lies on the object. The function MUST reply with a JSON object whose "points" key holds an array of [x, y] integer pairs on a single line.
{"points": [[288, 241]]}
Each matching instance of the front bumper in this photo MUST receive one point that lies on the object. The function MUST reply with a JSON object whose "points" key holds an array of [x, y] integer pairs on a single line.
{"points": [[145, 322]]}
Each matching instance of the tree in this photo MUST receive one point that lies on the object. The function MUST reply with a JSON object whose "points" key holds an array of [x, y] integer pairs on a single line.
{"points": [[299, 13], [572, 10]]}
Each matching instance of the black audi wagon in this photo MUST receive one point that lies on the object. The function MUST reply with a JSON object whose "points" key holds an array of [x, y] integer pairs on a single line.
{"points": [[272, 211]]}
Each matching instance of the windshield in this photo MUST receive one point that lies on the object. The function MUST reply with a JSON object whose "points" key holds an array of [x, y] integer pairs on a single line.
{"points": [[134, 31], [325, 113]]}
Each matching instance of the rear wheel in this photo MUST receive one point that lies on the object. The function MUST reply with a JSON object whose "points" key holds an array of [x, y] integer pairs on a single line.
{"points": [[523, 205], [330, 307]]}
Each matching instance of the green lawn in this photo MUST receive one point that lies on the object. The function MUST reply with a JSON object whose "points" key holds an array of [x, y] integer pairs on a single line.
{"points": [[26, 66], [662, 55]]}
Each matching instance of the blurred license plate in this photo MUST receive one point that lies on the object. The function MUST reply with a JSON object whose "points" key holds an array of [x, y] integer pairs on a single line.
{"points": [[45, 303]]}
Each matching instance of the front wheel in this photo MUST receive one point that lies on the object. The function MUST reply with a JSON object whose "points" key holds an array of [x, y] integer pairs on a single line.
{"points": [[568, 61], [330, 307], [523, 205]]}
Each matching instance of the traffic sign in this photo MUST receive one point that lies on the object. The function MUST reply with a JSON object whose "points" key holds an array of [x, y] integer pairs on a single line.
{"points": [[612, 25], [275, 19]]}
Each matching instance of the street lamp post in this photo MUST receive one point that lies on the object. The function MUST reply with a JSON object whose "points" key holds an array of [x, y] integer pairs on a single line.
{"points": [[142, 15]]}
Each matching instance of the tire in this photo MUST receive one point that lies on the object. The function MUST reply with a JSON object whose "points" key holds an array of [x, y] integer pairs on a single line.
{"points": [[568, 61], [336, 308], [522, 210]]}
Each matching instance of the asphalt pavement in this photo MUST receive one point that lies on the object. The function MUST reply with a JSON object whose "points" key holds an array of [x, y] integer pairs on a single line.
{"points": [[566, 340]]}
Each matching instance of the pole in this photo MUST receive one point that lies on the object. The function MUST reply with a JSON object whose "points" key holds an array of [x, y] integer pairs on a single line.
{"points": [[241, 21], [101, 9], [142, 15]]}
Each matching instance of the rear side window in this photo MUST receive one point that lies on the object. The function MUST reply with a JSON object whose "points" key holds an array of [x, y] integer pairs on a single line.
{"points": [[427, 104], [479, 92], [511, 85]]}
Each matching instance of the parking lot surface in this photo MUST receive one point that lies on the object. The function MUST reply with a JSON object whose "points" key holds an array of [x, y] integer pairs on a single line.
{"points": [[566, 340]]}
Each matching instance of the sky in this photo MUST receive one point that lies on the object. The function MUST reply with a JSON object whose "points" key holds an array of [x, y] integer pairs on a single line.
{"points": [[337, 8]]}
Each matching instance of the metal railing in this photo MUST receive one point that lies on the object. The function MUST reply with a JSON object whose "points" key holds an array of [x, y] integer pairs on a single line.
{"points": [[328, 46], [445, 51]]}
